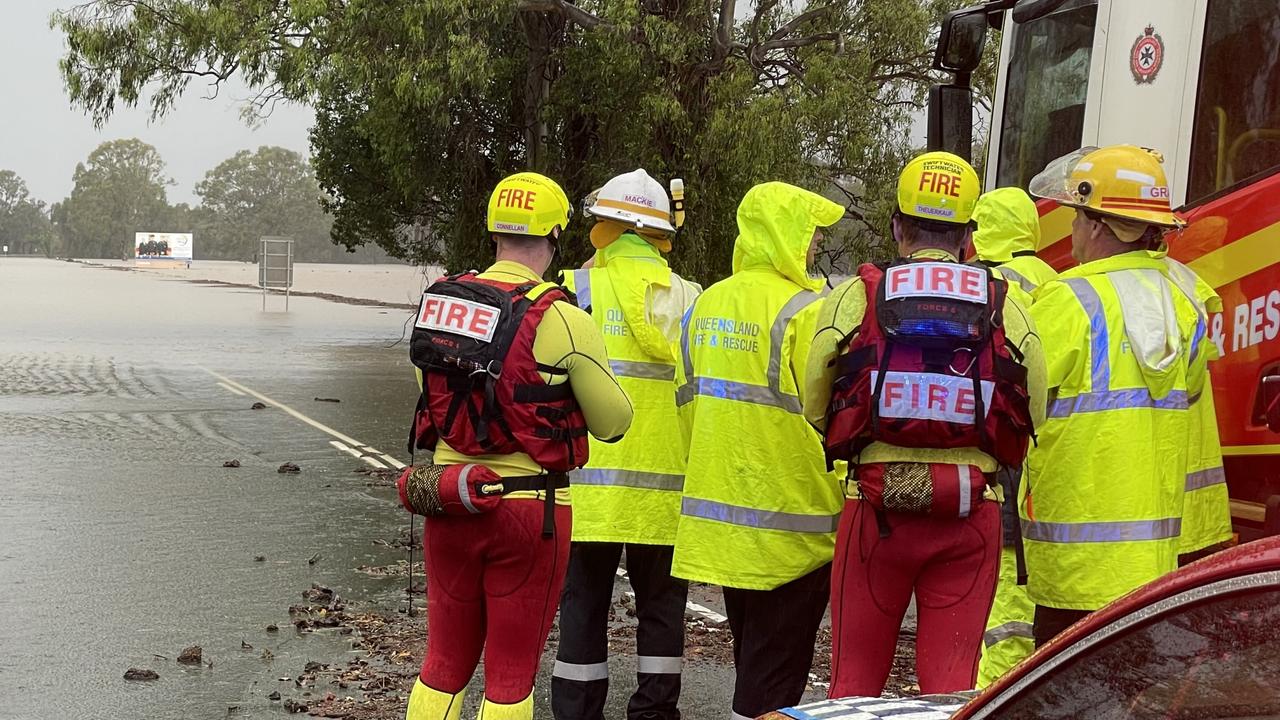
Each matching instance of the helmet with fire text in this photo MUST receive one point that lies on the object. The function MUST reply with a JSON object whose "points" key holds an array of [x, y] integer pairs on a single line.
{"points": [[939, 187], [528, 204]]}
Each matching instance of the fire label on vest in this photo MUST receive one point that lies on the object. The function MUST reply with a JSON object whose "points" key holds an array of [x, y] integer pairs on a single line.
{"points": [[931, 396], [457, 316], [949, 280]]}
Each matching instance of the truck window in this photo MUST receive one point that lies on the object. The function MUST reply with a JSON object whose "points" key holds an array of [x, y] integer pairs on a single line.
{"points": [[1045, 91], [1237, 129]]}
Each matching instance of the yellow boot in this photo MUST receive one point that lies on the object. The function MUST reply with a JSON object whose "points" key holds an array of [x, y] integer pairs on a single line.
{"points": [[430, 704], [522, 710]]}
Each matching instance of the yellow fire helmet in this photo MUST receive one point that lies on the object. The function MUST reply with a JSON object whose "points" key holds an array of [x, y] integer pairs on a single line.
{"points": [[1121, 181], [528, 204], [939, 186]]}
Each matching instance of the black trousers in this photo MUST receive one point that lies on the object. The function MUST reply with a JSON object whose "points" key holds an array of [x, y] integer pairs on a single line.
{"points": [[774, 633], [1049, 622], [580, 681]]}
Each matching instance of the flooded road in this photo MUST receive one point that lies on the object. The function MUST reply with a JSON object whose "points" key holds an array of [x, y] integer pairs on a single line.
{"points": [[123, 539]]}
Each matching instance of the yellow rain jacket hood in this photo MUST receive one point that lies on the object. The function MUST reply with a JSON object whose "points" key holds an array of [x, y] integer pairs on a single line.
{"points": [[775, 227], [1008, 223]]}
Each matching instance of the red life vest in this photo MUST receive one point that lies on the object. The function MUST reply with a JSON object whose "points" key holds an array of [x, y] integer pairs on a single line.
{"points": [[930, 366], [482, 391]]}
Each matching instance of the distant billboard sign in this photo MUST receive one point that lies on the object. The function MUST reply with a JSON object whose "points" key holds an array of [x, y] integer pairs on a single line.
{"points": [[152, 246]]}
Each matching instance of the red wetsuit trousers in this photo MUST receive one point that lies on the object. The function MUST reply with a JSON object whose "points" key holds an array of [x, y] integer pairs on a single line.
{"points": [[950, 565], [493, 584]]}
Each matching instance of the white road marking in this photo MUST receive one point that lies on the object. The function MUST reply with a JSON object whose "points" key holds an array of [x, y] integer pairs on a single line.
{"points": [[344, 442], [706, 612], [350, 451]]}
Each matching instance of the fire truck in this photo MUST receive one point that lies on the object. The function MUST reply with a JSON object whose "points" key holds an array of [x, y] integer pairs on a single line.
{"points": [[1198, 80]]}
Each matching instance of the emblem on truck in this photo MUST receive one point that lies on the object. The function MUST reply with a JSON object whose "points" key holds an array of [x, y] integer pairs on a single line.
{"points": [[1147, 56]]}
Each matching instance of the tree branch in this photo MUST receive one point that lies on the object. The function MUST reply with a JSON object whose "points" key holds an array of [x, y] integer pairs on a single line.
{"points": [[568, 11], [799, 20]]}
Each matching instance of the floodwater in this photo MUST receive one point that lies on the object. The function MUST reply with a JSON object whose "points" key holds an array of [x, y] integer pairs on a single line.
{"points": [[124, 540]]}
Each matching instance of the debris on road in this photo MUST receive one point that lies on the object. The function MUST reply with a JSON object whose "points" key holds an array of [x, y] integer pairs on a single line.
{"points": [[141, 674], [289, 468], [245, 646], [314, 559], [259, 558], [332, 400], [191, 656], [258, 406], [231, 464], [275, 695]]}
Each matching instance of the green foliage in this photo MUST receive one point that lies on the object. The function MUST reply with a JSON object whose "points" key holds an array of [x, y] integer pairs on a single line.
{"points": [[24, 226], [119, 190], [271, 191], [421, 107]]}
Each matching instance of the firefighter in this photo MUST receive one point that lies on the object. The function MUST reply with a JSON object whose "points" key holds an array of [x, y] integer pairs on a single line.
{"points": [[514, 378], [919, 384], [1206, 511], [628, 496], [1102, 500], [1006, 238], [759, 510]]}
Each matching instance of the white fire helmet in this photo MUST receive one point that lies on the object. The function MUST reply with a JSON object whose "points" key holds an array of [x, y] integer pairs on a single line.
{"points": [[634, 199]]}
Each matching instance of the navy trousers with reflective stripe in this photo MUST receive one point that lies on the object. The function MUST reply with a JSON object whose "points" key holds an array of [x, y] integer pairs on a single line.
{"points": [[580, 681]]}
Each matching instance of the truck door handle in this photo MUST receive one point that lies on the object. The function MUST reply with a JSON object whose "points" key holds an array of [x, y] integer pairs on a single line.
{"points": [[1269, 397]]}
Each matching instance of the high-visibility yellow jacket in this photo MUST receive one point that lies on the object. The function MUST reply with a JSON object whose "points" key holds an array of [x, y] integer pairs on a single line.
{"points": [[759, 507], [629, 492], [1026, 273], [1102, 497], [1007, 237], [1206, 513], [842, 314]]}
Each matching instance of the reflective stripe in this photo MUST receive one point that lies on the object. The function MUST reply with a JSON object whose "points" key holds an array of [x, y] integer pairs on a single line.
{"points": [[644, 370], [1099, 341], [685, 347], [1117, 400], [965, 501], [658, 665], [463, 492], [763, 519], [746, 392], [798, 302], [1205, 478], [1017, 277], [582, 288], [742, 392], [581, 673], [1198, 337], [1007, 631], [1090, 532], [628, 478]]}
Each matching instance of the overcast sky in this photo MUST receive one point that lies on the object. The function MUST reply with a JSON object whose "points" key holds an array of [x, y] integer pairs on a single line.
{"points": [[42, 137]]}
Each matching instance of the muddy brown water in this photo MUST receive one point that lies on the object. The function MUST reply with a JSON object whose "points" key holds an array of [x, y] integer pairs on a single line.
{"points": [[122, 537]]}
